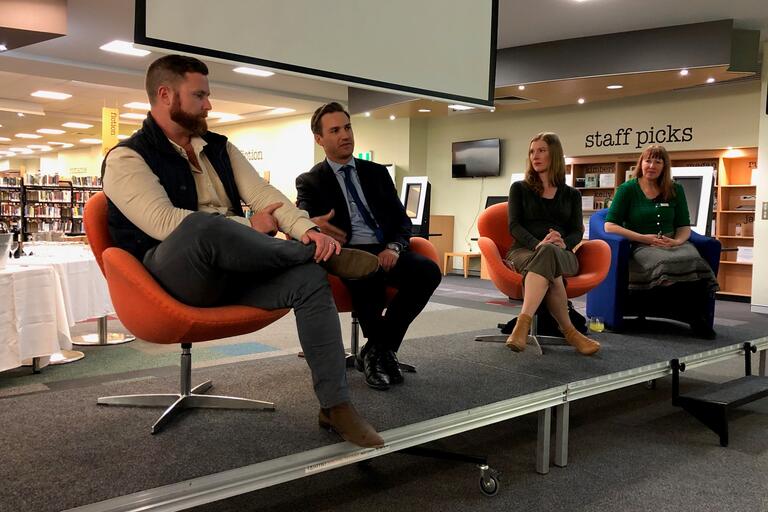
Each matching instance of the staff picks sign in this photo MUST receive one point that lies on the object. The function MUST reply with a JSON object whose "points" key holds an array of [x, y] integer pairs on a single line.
{"points": [[639, 138]]}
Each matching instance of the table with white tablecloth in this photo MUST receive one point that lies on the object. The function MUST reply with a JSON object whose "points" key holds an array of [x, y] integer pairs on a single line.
{"points": [[44, 295]]}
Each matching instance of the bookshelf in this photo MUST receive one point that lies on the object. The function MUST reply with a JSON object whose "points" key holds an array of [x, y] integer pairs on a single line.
{"points": [[733, 211]]}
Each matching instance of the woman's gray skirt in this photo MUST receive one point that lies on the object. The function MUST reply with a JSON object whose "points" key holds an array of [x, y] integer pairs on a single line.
{"points": [[547, 260], [650, 267]]}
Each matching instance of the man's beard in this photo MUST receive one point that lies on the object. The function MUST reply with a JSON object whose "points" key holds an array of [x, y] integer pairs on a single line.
{"points": [[196, 124]]}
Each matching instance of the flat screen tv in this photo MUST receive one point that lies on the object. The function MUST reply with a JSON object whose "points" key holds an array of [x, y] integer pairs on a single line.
{"points": [[476, 158]]}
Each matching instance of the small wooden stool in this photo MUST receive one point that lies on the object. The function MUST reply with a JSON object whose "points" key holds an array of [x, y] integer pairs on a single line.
{"points": [[465, 256]]}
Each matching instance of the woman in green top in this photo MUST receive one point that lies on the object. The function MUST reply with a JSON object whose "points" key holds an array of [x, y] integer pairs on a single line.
{"points": [[546, 223], [651, 211]]}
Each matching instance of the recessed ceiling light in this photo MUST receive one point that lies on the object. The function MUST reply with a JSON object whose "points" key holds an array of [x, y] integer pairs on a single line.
{"points": [[72, 124], [28, 136], [614, 86], [124, 48], [683, 72], [67, 145], [224, 116], [20, 114], [21, 151], [521, 87], [122, 137], [253, 71], [4, 139], [90, 141], [282, 110], [710, 80], [392, 117], [39, 146], [133, 115], [460, 107], [425, 110], [50, 131], [56, 143], [367, 114], [51, 95], [581, 101], [138, 105]]}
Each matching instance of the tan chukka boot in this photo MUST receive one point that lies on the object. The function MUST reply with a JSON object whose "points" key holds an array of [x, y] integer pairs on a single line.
{"points": [[583, 345], [519, 337]]}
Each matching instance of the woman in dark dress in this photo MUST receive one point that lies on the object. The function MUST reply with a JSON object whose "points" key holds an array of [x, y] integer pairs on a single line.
{"points": [[545, 220]]}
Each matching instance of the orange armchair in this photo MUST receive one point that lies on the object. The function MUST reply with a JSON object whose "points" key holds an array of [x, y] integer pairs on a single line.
{"points": [[153, 315], [344, 301], [495, 241]]}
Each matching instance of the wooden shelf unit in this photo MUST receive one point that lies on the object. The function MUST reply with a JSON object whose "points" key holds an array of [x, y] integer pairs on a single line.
{"points": [[733, 179]]}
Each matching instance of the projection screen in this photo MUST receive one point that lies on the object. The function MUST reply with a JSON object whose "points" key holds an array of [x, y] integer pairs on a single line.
{"points": [[442, 49]]}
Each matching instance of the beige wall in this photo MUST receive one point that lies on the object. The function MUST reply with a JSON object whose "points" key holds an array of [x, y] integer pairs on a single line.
{"points": [[720, 116], [760, 255], [286, 146], [78, 161]]}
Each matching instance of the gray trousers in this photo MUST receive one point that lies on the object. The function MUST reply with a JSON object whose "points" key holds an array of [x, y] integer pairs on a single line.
{"points": [[209, 260]]}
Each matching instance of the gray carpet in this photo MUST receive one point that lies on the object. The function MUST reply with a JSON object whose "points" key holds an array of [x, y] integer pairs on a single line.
{"points": [[72, 452]]}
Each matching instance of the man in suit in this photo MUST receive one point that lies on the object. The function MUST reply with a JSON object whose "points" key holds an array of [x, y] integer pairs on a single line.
{"points": [[355, 202]]}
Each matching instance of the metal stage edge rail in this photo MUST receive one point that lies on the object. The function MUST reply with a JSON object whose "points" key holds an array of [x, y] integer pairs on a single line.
{"points": [[218, 486]]}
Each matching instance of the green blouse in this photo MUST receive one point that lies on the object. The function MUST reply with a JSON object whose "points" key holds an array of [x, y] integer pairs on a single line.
{"points": [[632, 210]]}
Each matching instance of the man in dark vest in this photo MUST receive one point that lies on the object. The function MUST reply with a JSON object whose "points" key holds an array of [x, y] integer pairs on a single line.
{"points": [[355, 201], [174, 191]]}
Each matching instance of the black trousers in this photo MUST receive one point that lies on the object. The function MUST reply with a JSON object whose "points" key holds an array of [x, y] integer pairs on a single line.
{"points": [[415, 277]]}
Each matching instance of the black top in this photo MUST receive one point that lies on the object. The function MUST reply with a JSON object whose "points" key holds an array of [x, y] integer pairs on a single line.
{"points": [[531, 216]]}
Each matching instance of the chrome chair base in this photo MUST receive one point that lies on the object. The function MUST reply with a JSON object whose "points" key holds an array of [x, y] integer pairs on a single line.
{"points": [[186, 399]]}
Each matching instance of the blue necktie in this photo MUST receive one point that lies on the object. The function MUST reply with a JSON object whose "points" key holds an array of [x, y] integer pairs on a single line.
{"points": [[367, 217]]}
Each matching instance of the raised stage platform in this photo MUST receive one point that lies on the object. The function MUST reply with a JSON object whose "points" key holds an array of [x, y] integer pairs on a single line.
{"points": [[65, 452]]}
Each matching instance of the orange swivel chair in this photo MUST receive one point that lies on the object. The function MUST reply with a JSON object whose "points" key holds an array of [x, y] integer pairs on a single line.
{"points": [[344, 301], [153, 315], [495, 241]]}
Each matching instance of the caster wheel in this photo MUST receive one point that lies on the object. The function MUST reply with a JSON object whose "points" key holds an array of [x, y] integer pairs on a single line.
{"points": [[489, 485], [650, 384]]}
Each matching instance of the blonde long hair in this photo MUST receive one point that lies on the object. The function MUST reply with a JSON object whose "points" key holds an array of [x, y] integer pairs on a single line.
{"points": [[556, 163], [664, 181]]}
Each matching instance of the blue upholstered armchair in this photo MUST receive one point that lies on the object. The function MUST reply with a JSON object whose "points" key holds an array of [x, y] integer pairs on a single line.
{"points": [[610, 300]]}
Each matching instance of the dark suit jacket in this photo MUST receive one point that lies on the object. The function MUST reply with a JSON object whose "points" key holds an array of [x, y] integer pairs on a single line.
{"points": [[319, 191]]}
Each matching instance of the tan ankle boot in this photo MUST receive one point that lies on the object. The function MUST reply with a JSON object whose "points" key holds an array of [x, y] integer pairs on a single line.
{"points": [[519, 336], [583, 345]]}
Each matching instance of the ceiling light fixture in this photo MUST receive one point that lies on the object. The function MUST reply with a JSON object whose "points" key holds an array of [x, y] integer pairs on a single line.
{"points": [[5, 139], [123, 137], [710, 80], [133, 115], [460, 107], [28, 136], [72, 124], [282, 110], [521, 87], [90, 141], [56, 143], [614, 86], [39, 146], [683, 72], [67, 145], [581, 101], [367, 114], [51, 95], [253, 71], [20, 114], [123, 48], [138, 105], [424, 110], [51, 131], [224, 116], [392, 117]]}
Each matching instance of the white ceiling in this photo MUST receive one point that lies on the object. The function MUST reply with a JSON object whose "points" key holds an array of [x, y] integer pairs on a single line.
{"points": [[74, 63]]}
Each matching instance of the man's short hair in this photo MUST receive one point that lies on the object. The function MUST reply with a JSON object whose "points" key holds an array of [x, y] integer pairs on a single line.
{"points": [[317, 118], [170, 70]]}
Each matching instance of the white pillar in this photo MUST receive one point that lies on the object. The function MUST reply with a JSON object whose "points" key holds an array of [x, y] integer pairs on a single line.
{"points": [[760, 256]]}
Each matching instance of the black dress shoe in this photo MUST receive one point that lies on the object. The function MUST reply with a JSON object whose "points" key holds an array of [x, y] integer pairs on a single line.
{"points": [[375, 375], [391, 366]]}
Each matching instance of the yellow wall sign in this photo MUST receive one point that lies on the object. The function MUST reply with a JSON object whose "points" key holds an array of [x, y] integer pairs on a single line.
{"points": [[110, 127]]}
